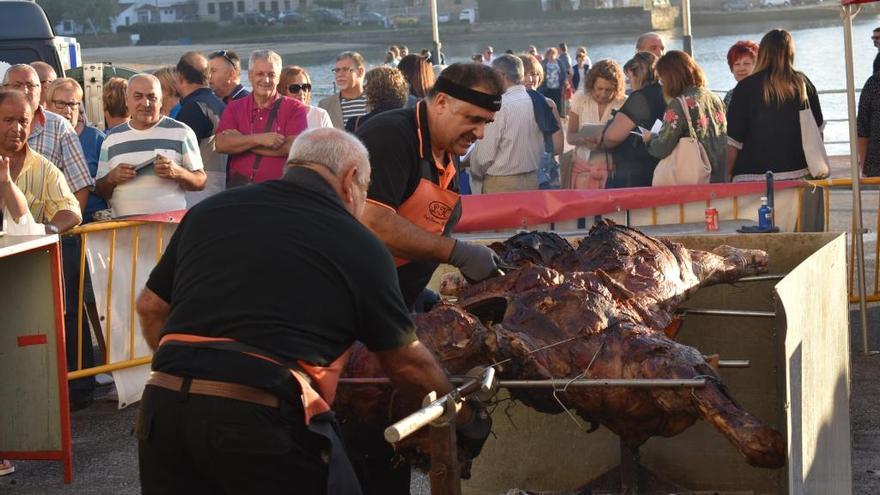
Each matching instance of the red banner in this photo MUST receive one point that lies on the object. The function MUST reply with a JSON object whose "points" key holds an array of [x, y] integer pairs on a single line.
{"points": [[530, 208], [853, 2], [512, 210]]}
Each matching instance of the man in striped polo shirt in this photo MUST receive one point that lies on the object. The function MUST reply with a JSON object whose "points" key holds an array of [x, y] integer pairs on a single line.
{"points": [[147, 163], [351, 101]]}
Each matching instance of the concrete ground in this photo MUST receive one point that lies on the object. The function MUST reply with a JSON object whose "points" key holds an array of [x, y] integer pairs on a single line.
{"points": [[105, 453]]}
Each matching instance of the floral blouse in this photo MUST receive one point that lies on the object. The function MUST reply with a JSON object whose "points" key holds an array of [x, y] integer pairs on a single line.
{"points": [[707, 116]]}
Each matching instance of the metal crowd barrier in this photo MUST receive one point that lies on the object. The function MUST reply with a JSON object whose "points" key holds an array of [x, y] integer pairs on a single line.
{"points": [[827, 186], [105, 339]]}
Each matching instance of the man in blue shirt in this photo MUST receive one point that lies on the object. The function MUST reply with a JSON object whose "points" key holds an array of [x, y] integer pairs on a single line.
{"points": [[201, 109]]}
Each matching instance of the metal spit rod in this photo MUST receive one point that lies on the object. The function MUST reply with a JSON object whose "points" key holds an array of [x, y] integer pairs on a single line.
{"points": [[726, 312], [760, 278], [562, 382]]}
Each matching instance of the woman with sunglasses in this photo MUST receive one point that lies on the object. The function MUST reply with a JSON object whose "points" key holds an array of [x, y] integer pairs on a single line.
{"points": [[64, 96], [296, 83]]}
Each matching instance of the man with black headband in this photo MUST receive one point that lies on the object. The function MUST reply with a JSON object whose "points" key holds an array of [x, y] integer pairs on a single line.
{"points": [[413, 205]]}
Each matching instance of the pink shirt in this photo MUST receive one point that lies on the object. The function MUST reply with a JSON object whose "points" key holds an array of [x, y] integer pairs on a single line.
{"points": [[247, 118]]}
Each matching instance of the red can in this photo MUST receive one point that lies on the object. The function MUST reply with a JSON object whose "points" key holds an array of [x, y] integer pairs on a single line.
{"points": [[711, 219]]}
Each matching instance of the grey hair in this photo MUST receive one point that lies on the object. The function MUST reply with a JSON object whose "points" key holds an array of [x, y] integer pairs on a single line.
{"points": [[337, 150], [641, 40], [509, 66], [16, 68], [267, 55], [149, 77]]}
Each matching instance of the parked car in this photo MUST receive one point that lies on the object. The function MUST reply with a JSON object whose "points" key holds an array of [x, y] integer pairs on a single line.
{"points": [[254, 19], [405, 20], [325, 16], [775, 3], [371, 19], [469, 15], [444, 17], [736, 5], [291, 17]]}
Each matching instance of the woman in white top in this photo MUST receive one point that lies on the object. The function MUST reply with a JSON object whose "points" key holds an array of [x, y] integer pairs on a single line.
{"points": [[296, 83], [604, 91]]}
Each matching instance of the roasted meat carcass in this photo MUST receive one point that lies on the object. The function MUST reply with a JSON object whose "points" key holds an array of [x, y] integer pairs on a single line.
{"points": [[595, 311]]}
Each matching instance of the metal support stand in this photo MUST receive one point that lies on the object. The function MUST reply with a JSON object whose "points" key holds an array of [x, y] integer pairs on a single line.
{"points": [[630, 465], [848, 14]]}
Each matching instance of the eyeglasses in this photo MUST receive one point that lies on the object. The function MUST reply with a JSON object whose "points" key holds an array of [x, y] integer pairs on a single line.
{"points": [[296, 88], [65, 104], [19, 85], [225, 55], [337, 70], [875, 37]]}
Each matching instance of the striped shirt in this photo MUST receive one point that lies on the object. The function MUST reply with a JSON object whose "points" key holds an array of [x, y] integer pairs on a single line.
{"points": [[45, 188], [354, 107], [53, 137], [148, 193], [513, 144]]}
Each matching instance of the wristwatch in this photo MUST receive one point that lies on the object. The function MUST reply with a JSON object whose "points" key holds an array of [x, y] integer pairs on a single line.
{"points": [[51, 229]]}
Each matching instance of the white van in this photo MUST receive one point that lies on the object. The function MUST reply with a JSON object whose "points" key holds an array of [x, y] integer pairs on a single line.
{"points": [[468, 15]]}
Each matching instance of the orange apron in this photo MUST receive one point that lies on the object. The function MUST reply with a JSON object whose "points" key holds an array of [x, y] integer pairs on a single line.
{"points": [[431, 205], [319, 418]]}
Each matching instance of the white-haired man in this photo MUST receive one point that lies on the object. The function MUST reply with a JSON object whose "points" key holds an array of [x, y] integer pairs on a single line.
{"points": [[507, 157], [147, 163], [651, 43], [228, 405], [256, 131]]}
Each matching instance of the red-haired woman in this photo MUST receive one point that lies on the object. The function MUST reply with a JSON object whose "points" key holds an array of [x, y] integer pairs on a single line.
{"points": [[741, 60]]}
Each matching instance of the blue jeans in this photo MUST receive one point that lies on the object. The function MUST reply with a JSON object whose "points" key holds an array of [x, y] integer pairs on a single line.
{"points": [[81, 388]]}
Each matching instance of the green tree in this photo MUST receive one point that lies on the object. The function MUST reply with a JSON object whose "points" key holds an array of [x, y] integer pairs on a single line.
{"points": [[98, 12]]}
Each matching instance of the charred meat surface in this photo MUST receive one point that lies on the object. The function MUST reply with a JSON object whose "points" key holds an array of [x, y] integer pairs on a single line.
{"points": [[597, 310]]}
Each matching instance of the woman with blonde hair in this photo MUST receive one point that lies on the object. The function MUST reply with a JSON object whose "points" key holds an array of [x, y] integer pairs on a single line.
{"points": [[604, 91], [294, 82], [764, 123], [170, 96], [534, 76], [703, 112], [113, 98]]}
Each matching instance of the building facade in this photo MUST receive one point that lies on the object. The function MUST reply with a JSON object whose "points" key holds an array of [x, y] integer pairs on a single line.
{"points": [[226, 10]]}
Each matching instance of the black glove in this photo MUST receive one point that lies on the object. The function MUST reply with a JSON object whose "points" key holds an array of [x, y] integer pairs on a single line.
{"points": [[472, 435], [475, 261]]}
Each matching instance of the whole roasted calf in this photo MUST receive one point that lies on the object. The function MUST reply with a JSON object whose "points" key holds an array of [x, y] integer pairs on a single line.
{"points": [[595, 311]]}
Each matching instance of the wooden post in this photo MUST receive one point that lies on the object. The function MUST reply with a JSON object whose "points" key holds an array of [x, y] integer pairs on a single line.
{"points": [[445, 472]]}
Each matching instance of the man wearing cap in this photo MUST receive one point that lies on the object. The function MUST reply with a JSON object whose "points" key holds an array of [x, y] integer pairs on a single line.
{"points": [[413, 205]]}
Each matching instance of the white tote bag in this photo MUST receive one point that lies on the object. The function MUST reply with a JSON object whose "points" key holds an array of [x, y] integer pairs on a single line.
{"points": [[688, 163], [813, 144]]}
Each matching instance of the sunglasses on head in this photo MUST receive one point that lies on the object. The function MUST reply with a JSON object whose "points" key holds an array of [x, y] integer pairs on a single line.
{"points": [[296, 88], [224, 54]]}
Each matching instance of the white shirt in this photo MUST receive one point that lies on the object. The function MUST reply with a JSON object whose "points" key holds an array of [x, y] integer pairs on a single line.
{"points": [[513, 144], [318, 118], [585, 107], [147, 193]]}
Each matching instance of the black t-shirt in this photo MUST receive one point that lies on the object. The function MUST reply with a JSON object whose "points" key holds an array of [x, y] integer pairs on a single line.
{"points": [[633, 165], [280, 266], [770, 134], [201, 111], [397, 168]]}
